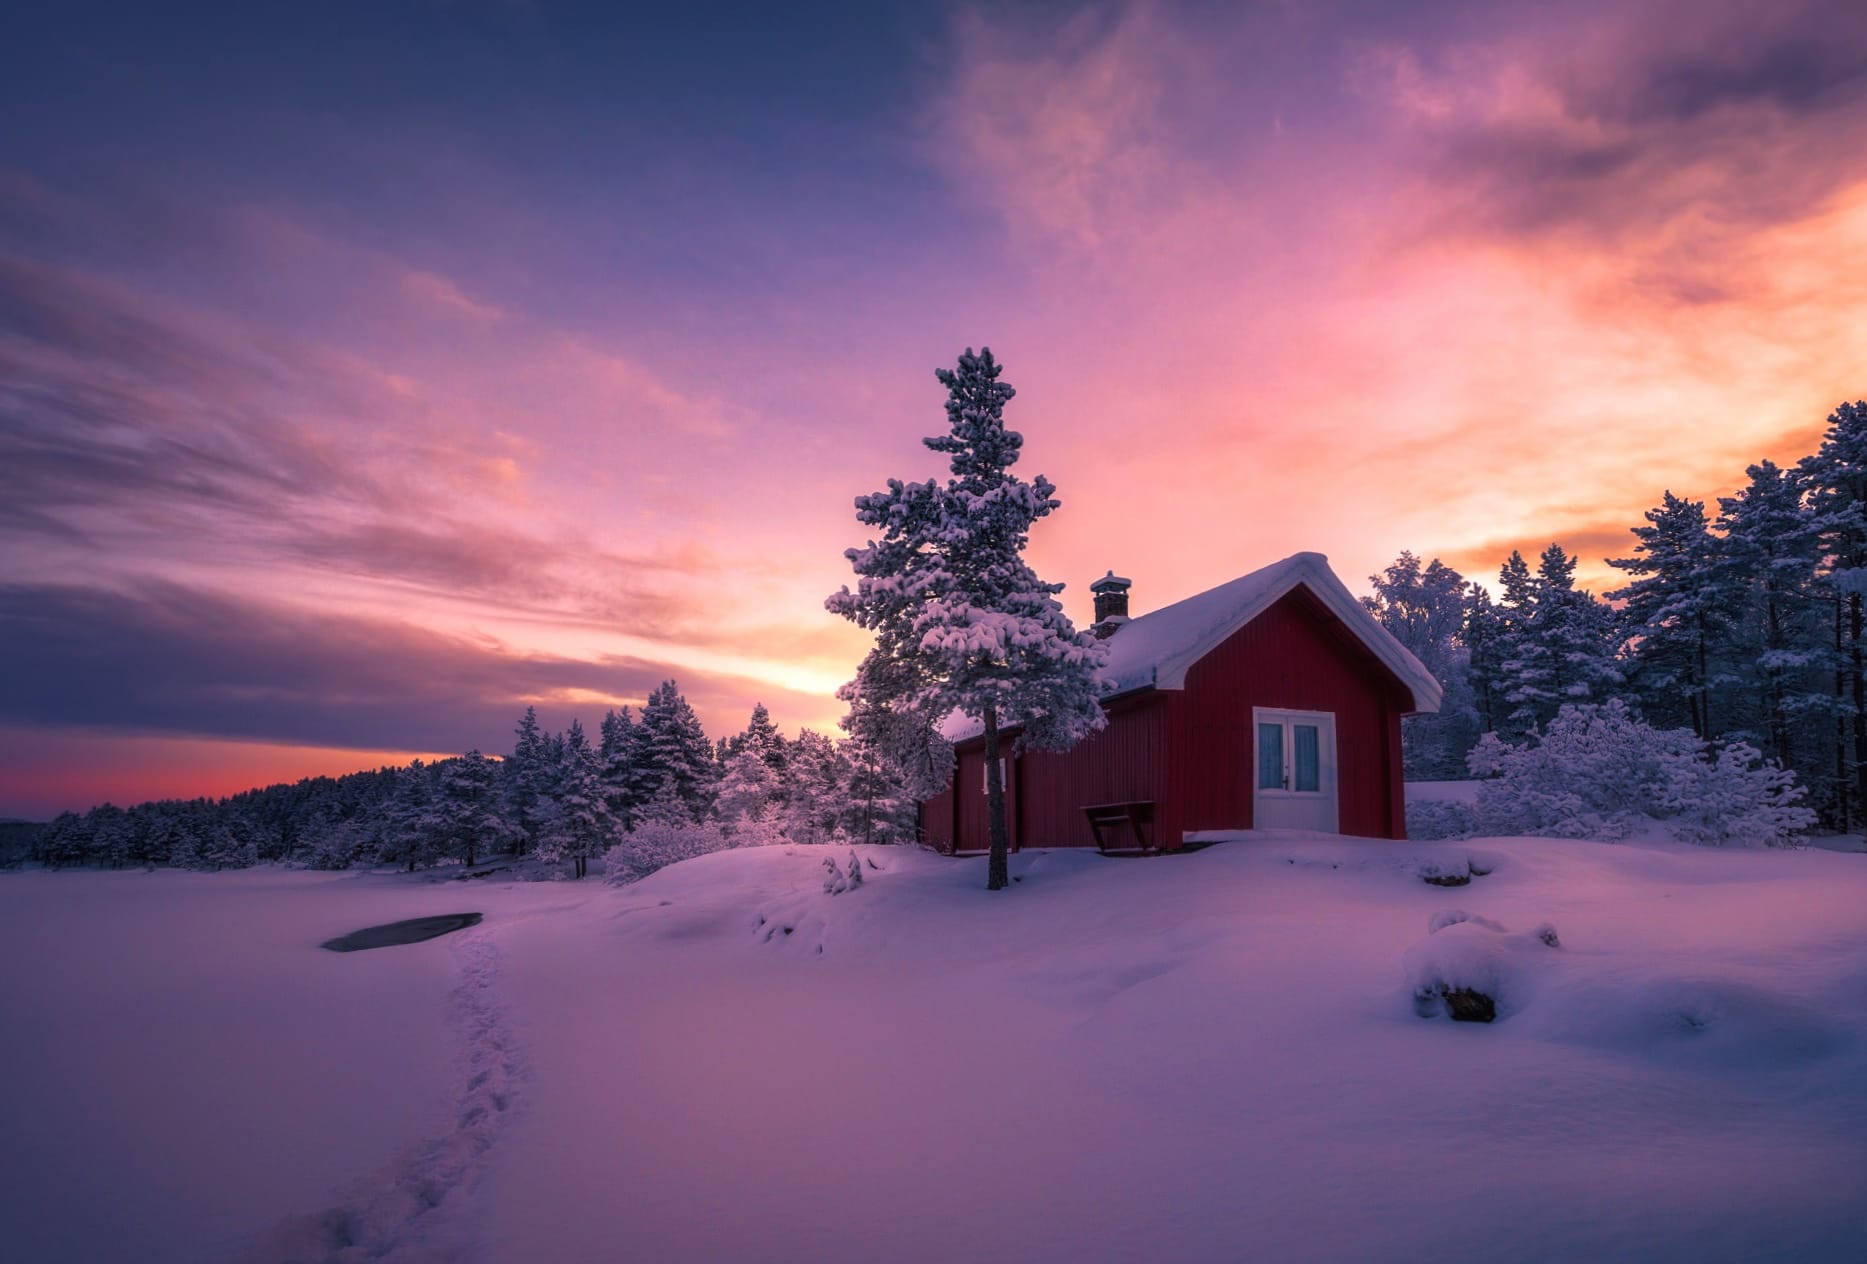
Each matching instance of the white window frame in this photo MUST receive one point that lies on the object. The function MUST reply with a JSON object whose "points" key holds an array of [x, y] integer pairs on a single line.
{"points": [[985, 775]]}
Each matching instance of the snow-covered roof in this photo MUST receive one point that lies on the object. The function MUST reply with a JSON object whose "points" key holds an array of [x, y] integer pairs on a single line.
{"points": [[1157, 649]]}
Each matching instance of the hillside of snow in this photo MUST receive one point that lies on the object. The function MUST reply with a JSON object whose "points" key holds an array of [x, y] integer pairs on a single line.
{"points": [[1239, 1053]]}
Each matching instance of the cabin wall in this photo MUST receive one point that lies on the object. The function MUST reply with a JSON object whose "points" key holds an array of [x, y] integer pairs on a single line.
{"points": [[1047, 792], [1125, 762], [1189, 751], [1294, 655], [936, 818]]}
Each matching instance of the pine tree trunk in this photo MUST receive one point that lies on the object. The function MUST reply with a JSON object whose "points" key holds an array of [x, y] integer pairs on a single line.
{"points": [[1860, 699], [998, 868], [1779, 723], [1704, 687], [1841, 732]]}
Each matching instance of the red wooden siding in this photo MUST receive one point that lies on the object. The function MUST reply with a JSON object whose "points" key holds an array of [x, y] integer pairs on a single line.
{"points": [[1294, 655], [1125, 762], [1189, 751], [936, 818]]}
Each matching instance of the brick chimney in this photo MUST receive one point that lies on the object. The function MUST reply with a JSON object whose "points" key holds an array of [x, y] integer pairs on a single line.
{"points": [[1111, 604]]}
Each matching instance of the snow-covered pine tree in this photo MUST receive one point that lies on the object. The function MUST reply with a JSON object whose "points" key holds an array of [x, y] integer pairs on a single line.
{"points": [[233, 843], [1425, 608], [817, 789], [112, 836], [877, 807], [67, 842], [915, 754], [1837, 487], [761, 828], [411, 834], [674, 750], [748, 786], [619, 752], [1782, 651], [1510, 643], [1484, 637], [468, 808], [580, 825], [961, 621], [527, 779], [761, 737], [1560, 641], [1672, 616]]}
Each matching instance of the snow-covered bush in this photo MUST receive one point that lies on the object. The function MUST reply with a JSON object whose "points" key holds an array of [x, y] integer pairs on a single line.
{"points": [[1736, 797], [1437, 818], [1598, 772], [836, 880], [657, 844]]}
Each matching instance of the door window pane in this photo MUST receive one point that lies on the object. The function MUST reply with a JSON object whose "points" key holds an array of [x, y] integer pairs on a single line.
{"points": [[1308, 761], [1270, 756]]}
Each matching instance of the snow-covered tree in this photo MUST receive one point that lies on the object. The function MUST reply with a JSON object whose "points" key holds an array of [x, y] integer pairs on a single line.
{"points": [[1837, 493], [673, 751], [467, 807], [232, 842], [1558, 641], [1765, 583], [527, 781], [411, 834], [762, 739], [763, 827], [580, 825], [67, 841], [877, 806], [961, 621], [1425, 607], [113, 835], [1672, 614], [1485, 636], [817, 791], [748, 786], [619, 752]]}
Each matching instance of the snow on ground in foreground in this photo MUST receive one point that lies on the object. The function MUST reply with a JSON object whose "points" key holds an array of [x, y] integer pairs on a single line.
{"points": [[1213, 1056]]}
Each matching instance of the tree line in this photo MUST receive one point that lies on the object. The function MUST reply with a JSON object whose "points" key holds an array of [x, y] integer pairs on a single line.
{"points": [[559, 797], [1742, 623]]}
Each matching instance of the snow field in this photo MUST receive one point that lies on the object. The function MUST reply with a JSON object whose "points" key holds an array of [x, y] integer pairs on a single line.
{"points": [[1212, 1056]]}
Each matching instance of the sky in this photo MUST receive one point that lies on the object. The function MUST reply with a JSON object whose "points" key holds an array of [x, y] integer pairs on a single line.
{"points": [[371, 372]]}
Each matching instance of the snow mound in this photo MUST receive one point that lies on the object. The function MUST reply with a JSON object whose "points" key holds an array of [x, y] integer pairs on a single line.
{"points": [[1706, 1021], [1452, 917], [1466, 956]]}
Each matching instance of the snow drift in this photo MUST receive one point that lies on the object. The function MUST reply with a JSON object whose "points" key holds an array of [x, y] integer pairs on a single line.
{"points": [[1210, 1056]]}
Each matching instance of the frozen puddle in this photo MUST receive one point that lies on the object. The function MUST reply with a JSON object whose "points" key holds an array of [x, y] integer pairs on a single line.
{"points": [[416, 1208], [412, 931]]}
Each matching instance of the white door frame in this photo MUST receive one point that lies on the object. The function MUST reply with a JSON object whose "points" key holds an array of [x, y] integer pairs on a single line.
{"points": [[1286, 807]]}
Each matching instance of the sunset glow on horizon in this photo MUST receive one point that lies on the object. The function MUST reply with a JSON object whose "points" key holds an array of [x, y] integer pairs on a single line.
{"points": [[370, 373]]}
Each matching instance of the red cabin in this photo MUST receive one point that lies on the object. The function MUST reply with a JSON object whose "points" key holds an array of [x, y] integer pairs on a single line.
{"points": [[1270, 702]]}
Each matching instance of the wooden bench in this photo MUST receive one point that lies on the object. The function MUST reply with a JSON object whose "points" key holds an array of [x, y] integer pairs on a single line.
{"points": [[1112, 816]]}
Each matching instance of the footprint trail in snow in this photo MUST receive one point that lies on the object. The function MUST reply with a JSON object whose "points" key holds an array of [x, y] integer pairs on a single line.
{"points": [[417, 1206]]}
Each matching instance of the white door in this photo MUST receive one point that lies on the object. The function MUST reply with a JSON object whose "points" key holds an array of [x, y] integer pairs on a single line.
{"points": [[1295, 770]]}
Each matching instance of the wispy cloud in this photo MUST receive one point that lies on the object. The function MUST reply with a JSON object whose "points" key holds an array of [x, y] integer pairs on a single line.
{"points": [[164, 657]]}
